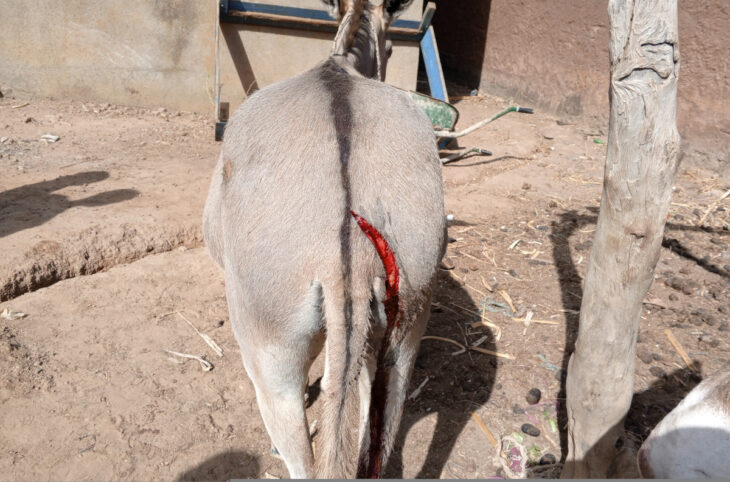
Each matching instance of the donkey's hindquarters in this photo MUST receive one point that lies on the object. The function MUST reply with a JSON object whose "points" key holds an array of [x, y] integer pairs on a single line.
{"points": [[298, 157]]}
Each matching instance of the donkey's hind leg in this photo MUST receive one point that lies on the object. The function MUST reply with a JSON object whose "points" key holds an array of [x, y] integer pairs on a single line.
{"points": [[278, 365], [404, 357]]}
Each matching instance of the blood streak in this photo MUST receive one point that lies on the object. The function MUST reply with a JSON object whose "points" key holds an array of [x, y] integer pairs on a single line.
{"points": [[387, 257], [371, 467]]}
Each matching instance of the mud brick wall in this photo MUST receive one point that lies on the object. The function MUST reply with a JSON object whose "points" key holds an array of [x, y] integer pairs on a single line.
{"points": [[554, 55]]}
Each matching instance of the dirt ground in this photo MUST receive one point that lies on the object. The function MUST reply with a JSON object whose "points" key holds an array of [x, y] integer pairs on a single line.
{"points": [[88, 391]]}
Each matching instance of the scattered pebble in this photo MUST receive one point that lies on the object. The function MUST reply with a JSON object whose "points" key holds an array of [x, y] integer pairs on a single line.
{"points": [[530, 430], [513, 273], [518, 410], [685, 285], [703, 316], [220, 323], [723, 326], [533, 396], [526, 186], [644, 355], [548, 459], [673, 297], [657, 372]]}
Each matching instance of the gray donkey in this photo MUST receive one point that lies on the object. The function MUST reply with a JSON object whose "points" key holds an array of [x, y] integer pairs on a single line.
{"points": [[326, 214]]}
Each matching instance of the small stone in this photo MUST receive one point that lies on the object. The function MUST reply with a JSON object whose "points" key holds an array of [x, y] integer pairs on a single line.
{"points": [[548, 459], [644, 355], [533, 396], [530, 430], [513, 273], [723, 326], [518, 410], [685, 285], [220, 323], [656, 357], [673, 297], [724, 309], [28, 120], [452, 240], [552, 204], [657, 372], [526, 186], [542, 228], [717, 241]]}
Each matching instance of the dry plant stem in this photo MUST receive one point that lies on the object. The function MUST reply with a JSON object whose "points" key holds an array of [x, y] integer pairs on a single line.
{"points": [[675, 343], [641, 162]]}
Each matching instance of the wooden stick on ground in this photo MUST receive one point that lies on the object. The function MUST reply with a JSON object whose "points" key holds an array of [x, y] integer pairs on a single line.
{"points": [[675, 343]]}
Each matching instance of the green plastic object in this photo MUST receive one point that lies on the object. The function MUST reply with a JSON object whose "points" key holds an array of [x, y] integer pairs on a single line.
{"points": [[443, 115]]}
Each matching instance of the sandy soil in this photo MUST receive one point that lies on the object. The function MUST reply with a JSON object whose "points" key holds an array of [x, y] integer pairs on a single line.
{"points": [[87, 390]]}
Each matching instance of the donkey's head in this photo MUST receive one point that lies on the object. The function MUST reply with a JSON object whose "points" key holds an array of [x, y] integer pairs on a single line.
{"points": [[361, 36]]}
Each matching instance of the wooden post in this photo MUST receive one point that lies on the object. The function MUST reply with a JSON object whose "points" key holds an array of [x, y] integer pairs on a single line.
{"points": [[641, 161]]}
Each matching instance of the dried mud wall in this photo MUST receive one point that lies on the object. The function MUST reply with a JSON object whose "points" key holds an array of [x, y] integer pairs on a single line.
{"points": [[154, 53], [554, 55], [138, 52]]}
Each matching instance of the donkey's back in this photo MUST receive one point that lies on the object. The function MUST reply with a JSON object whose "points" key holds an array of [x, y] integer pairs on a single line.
{"points": [[297, 156]]}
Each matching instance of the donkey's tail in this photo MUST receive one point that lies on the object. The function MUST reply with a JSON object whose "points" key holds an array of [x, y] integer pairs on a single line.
{"points": [[347, 311]]}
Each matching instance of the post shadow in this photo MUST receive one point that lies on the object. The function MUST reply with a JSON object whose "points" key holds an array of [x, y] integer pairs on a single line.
{"points": [[32, 205], [232, 464], [572, 293], [231, 34], [472, 377]]}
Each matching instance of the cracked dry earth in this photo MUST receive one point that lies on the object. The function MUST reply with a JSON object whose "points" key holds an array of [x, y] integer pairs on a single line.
{"points": [[100, 246]]}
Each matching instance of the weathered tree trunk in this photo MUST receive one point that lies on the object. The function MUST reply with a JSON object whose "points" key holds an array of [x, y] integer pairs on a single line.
{"points": [[641, 161]]}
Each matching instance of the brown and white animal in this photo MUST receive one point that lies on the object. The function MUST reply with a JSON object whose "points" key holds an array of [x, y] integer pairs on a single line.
{"points": [[324, 181], [693, 440]]}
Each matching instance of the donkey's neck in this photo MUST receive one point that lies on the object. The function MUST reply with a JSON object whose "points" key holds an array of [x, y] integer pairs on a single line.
{"points": [[360, 45]]}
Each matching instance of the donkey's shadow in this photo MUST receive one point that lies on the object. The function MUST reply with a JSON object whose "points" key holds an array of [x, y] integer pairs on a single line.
{"points": [[457, 386]]}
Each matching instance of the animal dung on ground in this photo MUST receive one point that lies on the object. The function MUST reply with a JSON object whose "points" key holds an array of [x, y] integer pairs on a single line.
{"points": [[533, 396], [530, 430]]}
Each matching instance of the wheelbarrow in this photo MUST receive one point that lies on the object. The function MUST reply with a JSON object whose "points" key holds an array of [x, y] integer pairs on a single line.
{"points": [[444, 116]]}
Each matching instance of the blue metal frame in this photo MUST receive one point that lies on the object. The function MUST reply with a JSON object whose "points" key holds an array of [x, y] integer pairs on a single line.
{"points": [[422, 32], [227, 6], [429, 50]]}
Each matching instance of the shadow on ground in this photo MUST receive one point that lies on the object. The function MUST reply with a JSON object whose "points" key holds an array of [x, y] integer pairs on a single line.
{"points": [[458, 386], [650, 406], [32, 205], [229, 465]]}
